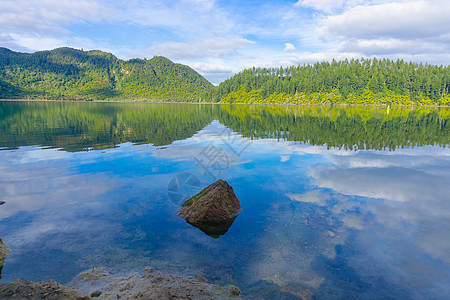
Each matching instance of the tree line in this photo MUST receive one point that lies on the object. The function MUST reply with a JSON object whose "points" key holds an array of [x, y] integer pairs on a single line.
{"points": [[67, 73], [356, 81]]}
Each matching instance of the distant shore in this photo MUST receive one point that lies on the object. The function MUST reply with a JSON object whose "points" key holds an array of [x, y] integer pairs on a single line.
{"points": [[221, 103]]}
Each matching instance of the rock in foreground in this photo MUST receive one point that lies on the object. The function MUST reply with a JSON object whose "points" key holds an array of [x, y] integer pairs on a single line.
{"points": [[149, 284], [214, 204], [98, 283], [22, 289]]}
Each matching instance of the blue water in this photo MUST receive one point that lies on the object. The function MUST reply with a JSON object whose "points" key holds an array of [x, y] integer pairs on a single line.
{"points": [[315, 221]]}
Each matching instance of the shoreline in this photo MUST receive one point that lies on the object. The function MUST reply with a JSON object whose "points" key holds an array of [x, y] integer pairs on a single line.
{"points": [[103, 283], [221, 103]]}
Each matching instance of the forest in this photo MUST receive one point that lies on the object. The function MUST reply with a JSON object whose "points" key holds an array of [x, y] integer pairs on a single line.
{"points": [[365, 81], [66, 73], [71, 74]]}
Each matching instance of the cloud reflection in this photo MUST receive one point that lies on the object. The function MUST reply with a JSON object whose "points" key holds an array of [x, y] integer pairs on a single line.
{"points": [[392, 198], [32, 178], [307, 212]]}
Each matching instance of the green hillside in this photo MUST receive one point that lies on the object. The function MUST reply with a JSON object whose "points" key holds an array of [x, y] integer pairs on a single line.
{"points": [[66, 73], [371, 81]]}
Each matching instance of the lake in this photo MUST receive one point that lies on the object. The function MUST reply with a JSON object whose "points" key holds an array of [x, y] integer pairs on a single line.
{"points": [[337, 202]]}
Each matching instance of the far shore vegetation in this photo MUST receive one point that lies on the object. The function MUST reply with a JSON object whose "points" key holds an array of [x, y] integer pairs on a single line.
{"points": [[71, 74]]}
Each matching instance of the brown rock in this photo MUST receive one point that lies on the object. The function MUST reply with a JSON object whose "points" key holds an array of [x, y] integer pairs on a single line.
{"points": [[143, 285], [95, 274], [3, 254], [3, 250], [214, 204], [154, 285], [22, 289], [95, 294]]}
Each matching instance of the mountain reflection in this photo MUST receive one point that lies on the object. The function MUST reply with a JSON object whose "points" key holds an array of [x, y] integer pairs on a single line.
{"points": [[85, 126]]}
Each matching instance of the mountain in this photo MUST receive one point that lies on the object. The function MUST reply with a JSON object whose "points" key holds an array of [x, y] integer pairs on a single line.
{"points": [[67, 73]]}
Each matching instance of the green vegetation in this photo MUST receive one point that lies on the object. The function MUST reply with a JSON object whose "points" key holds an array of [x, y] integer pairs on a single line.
{"points": [[67, 73], [86, 126], [369, 81], [194, 198]]}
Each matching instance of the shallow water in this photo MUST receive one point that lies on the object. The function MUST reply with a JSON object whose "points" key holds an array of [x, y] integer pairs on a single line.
{"points": [[336, 202]]}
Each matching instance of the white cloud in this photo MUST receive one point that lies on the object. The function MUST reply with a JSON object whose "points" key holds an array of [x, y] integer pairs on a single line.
{"points": [[7, 41], [322, 5], [189, 18], [215, 72], [47, 16], [289, 47], [212, 47], [207, 33], [402, 20], [416, 30], [408, 29], [391, 45], [36, 42], [211, 68], [276, 58], [42, 25], [202, 4]]}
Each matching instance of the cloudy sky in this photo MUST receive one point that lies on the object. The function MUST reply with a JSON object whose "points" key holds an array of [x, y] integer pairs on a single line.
{"points": [[221, 37]]}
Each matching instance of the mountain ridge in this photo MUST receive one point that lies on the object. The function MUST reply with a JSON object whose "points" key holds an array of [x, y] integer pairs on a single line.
{"points": [[67, 73], [72, 74]]}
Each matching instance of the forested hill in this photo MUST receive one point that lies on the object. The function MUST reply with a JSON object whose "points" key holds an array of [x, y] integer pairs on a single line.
{"points": [[349, 81], [67, 73]]}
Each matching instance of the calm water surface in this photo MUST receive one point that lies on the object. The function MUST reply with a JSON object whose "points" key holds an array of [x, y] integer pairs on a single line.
{"points": [[336, 202]]}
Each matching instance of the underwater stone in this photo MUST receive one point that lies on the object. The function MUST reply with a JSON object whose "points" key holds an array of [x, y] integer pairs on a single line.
{"points": [[136, 285], [22, 289]]}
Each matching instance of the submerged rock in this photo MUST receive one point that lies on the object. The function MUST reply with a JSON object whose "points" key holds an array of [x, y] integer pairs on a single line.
{"points": [[3, 254], [100, 283], [22, 289], [214, 204], [155, 285]]}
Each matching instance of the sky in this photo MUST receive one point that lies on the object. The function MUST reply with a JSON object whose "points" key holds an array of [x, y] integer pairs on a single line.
{"points": [[220, 38]]}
